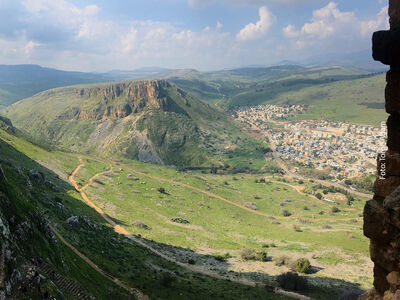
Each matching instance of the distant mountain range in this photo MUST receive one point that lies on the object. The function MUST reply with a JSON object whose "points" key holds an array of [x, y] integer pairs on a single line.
{"points": [[22, 81]]}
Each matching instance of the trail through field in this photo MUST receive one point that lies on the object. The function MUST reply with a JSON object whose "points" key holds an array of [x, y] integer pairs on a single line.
{"points": [[192, 268], [138, 294], [229, 201]]}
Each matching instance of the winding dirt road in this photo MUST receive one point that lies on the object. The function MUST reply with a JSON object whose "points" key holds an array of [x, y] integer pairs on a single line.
{"points": [[192, 268]]}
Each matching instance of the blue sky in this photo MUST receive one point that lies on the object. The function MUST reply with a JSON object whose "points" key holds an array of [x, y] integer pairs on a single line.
{"points": [[89, 35]]}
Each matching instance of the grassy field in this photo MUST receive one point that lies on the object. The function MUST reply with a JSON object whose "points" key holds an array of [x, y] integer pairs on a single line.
{"points": [[130, 194], [114, 254]]}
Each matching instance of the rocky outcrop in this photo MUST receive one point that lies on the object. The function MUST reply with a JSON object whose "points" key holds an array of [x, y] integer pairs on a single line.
{"points": [[382, 214], [119, 100]]}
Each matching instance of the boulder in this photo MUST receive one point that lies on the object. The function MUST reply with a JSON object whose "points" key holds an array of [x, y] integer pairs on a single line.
{"points": [[73, 221]]}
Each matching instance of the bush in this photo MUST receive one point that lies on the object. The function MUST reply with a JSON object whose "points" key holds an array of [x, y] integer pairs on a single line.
{"points": [[222, 257], [306, 208], [161, 190], [318, 195], [335, 209], [297, 228], [281, 261], [286, 213], [167, 279], [303, 265], [292, 281], [263, 255], [249, 254], [191, 261]]}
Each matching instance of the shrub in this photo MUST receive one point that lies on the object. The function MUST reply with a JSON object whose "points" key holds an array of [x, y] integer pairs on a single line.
{"points": [[263, 255], [335, 209], [222, 257], [161, 190], [286, 213], [167, 279], [292, 281], [249, 254], [318, 195], [303, 265], [191, 261], [306, 208], [297, 228], [180, 220], [281, 261]]}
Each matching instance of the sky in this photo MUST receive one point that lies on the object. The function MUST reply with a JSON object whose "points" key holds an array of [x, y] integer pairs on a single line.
{"points": [[103, 35]]}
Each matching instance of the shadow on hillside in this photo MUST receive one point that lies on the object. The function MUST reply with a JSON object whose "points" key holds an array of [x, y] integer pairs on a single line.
{"points": [[115, 254]]}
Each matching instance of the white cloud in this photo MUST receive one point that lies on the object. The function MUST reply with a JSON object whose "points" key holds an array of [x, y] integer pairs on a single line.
{"points": [[380, 22], [290, 32], [256, 31], [219, 26]]}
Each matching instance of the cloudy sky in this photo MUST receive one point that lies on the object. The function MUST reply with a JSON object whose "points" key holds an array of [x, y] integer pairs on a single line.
{"points": [[101, 35]]}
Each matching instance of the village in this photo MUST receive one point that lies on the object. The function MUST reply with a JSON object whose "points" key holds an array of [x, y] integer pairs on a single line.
{"points": [[345, 150]]}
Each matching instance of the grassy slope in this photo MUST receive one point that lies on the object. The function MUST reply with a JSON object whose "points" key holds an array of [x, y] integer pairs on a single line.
{"points": [[335, 93], [356, 101], [116, 255]]}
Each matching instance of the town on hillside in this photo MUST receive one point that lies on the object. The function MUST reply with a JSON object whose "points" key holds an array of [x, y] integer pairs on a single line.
{"points": [[346, 150]]}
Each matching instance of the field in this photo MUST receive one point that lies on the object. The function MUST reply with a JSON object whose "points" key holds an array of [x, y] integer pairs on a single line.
{"points": [[217, 221]]}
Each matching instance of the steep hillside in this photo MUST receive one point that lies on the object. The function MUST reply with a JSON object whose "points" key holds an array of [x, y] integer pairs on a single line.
{"points": [[152, 121]]}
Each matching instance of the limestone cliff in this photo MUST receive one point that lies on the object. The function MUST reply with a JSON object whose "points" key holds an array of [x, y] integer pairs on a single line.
{"points": [[119, 100]]}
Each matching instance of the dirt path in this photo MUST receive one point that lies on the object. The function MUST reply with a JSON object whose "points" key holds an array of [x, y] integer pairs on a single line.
{"points": [[139, 241], [139, 295], [231, 202]]}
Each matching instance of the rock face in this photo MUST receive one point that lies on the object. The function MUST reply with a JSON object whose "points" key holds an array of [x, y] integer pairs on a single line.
{"points": [[119, 100], [382, 214]]}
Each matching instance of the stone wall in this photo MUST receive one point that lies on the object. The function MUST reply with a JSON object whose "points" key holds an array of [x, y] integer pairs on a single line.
{"points": [[382, 213]]}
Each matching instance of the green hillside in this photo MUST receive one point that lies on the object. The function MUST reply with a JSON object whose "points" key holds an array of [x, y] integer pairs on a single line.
{"points": [[333, 93], [192, 218], [152, 121], [36, 239]]}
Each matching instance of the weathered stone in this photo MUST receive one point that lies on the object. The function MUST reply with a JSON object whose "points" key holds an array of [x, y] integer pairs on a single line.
{"points": [[388, 164], [386, 46], [393, 128], [380, 283], [392, 92], [394, 280], [385, 256], [73, 221], [394, 13], [384, 187], [393, 200], [370, 295], [375, 217]]}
